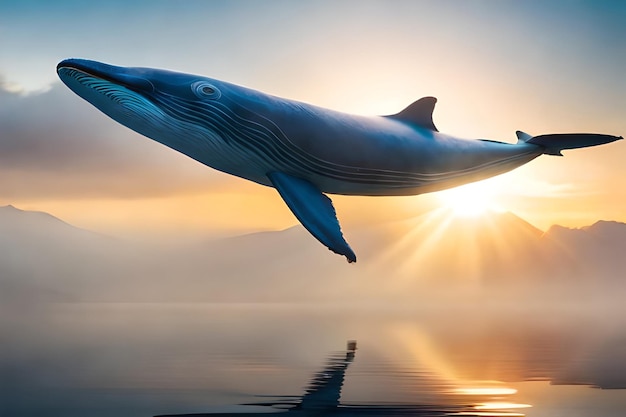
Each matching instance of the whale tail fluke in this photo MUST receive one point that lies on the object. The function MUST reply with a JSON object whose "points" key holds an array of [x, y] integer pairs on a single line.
{"points": [[554, 143]]}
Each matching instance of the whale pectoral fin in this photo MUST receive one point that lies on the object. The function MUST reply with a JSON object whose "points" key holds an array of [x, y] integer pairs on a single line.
{"points": [[314, 210]]}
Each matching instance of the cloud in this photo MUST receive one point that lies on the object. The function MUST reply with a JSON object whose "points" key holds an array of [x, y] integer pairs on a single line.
{"points": [[52, 144], [8, 87]]}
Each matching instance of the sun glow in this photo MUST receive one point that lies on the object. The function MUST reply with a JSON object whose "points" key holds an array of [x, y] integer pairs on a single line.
{"points": [[500, 406], [471, 200], [486, 391]]}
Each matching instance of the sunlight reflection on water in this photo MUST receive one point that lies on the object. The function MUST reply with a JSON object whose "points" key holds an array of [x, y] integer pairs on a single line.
{"points": [[154, 359]]}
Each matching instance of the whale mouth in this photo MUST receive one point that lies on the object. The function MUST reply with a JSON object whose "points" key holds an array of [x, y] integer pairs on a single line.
{"points": [[109, 94], [104, 72], [128, 96], [120, 93]]}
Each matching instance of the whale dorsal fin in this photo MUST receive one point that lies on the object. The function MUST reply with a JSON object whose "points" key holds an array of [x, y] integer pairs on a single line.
{"points": [[419, 113]]}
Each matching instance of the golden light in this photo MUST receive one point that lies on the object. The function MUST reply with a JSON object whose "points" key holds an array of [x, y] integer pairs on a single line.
{"points": [[486, 391], [471, 200], [500, 406], [491, 414]]}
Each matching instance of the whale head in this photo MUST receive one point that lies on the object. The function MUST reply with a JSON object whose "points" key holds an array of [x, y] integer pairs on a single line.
{"points": [[189, 113]]}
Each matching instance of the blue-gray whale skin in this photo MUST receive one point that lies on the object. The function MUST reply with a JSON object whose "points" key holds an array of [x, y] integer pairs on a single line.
{"points": [[302, 150]]}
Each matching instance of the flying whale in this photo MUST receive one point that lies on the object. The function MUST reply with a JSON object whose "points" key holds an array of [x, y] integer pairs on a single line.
{"points": [[302, 150]]}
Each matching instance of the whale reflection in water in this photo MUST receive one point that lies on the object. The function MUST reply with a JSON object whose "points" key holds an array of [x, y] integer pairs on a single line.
{"points": [[322, 398]]}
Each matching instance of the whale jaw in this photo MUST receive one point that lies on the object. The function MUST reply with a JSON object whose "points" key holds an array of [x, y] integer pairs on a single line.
{"points": [[125, 102], [128, 96]]}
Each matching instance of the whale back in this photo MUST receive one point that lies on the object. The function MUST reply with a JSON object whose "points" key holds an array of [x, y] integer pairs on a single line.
{"points": [[420, 113]]}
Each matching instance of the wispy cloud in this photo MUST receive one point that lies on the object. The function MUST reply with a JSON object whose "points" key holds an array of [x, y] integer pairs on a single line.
{"points": [[9, 87], [52, 144]]}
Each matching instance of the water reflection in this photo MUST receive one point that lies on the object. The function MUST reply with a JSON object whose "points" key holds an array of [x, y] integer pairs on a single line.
{"points": [[132, 360], [322, 398]]}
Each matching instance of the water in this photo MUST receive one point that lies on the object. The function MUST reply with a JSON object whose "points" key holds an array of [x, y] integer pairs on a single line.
{"points": [[154, 359]]}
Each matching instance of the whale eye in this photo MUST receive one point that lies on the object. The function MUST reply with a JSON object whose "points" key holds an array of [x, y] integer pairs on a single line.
{"points": [[203, 89]]}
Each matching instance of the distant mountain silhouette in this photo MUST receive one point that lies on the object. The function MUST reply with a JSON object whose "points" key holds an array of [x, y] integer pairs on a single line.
{"points": [[431, 255], [440, 246], [593, 255], [43, 257], [39, 226]]}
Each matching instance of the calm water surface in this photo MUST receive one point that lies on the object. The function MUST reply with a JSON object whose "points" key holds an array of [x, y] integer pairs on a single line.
{"points": [[153, 359]]}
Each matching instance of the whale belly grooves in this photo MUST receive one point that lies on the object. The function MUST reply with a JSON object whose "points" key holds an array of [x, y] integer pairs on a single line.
{"points": [[414, 183], [341, 154], [413, 164]]}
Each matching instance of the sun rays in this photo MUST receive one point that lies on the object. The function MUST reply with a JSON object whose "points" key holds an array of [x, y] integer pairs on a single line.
{"points": [[466, 242]]}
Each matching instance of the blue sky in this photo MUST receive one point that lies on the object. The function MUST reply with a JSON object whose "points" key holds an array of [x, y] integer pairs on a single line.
{"points": [[246, 39]]}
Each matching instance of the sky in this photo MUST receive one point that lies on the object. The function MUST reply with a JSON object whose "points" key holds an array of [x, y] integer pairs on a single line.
{"points": [[495, 66]]}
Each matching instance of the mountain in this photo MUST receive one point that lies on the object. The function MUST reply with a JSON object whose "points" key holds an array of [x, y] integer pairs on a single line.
{"points": [[592, 255], [441, 246], [39, 228], [44, 257], [496, 255]]}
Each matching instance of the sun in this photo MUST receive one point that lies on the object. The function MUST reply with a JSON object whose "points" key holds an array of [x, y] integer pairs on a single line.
{"points": [[470, 200]]}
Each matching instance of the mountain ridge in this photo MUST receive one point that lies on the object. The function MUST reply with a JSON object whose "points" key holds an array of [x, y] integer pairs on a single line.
{"points": [[12, 217], [598, 227], [434, 254]]}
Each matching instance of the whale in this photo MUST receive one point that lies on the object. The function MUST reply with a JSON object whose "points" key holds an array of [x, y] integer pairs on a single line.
{"points": [[304, 151]]}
